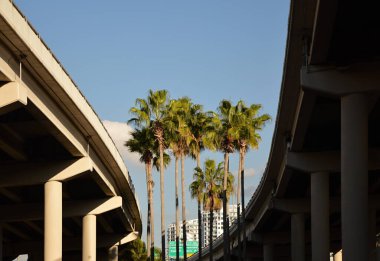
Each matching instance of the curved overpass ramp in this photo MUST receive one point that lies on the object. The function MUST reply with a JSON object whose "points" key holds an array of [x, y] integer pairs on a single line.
{"points": [[64, 189], [320, 191]]}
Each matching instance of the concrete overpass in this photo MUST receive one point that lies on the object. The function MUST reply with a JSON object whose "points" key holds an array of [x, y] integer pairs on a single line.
{"points": [[320, 190], [64, 189]]}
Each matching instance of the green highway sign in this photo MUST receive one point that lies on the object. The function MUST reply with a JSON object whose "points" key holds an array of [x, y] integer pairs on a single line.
{"points": [[192, 247]]}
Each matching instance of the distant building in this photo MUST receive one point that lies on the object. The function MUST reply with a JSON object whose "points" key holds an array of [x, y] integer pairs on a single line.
{"points": [[192, 226], [191, 231], [217, 228]]}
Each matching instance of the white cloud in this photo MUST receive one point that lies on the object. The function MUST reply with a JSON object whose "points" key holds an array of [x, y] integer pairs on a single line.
{"points": [[120, 132]]}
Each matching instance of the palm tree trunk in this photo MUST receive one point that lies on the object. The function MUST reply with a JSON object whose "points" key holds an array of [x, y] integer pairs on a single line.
{"points": [[228, 218], [225, 224], [151, 213], [162, 191], [198, 157], [211, 224], [183, 206], [199, 215], [199, 230], [238, 207], [177, 231], [242, 204], [148, 217]]}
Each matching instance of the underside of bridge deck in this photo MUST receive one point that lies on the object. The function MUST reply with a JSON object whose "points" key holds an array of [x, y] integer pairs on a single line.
{"points": [[320, 191], [64, 189]]}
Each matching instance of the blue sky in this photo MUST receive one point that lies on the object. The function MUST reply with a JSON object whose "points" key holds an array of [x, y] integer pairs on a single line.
{"points": [[209, 50]]}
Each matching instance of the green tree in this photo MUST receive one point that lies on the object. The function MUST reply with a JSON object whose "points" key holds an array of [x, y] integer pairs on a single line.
{"points": [[197, 124], [208, 188], [133, 251], [221, 137], [176, 129], [157, 253], [248, 122], [143, 142], [151, 113]]}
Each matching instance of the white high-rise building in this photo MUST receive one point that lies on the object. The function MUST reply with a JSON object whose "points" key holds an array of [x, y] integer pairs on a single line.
{"points": [[192, 226], [217, 228], [191, 231]]}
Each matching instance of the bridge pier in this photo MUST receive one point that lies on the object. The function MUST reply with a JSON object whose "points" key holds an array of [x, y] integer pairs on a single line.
{"points": [[1, 243], [89, 238], [354, 176], [268, 252], [320, 237], [113, 253], [338, 256], [53, 221], [298, 236], [373, 252]]}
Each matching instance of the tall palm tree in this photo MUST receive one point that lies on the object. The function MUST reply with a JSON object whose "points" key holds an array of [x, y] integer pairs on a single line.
{"points": [[143, 143], [197, 123], [177, 156], [177, 129], [221, 137], [207, 187], [151, 113], [246, 136]]}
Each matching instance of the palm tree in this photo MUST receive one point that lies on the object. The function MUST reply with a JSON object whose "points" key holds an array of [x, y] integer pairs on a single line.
{"points": [[197, 123], [143, 143], [207, 187], [197, 188], [246, 136], [151, 113], [134, 251], [221, 137], [177, 129], [175, 145], [157, 253]]}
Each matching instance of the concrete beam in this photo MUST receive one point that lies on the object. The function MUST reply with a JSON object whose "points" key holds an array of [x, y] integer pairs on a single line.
{"points": [[94, 207], [35, 211], [12, 96], [333, 81], [304, 111], [24, 174], [302, 205], [105, 225], [311, 162], [69, 244], [11, 144], [277, 237], [16, 231], [326, 161], [130, 237], [322, 30]]}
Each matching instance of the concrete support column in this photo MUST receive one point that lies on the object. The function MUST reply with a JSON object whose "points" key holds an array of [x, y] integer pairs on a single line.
{"points": [[354, 177], [320, 229], [298, 237], [1, 242], [53, 221], [372, 235], [89, 238], [338, 256], [268, 252], [113, 253]]}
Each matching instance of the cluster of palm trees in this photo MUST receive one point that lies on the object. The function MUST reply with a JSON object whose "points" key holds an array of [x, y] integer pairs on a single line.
{"points": [[181, 127]]}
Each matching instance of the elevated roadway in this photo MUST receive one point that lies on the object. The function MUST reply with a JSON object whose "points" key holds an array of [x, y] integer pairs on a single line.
{"points": [[320, 191], [65, 192]]}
